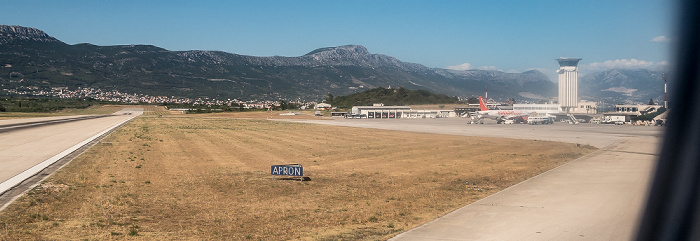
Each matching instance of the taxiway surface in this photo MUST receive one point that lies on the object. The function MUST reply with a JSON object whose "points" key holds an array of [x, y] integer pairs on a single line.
{"points": [[597, 197]]}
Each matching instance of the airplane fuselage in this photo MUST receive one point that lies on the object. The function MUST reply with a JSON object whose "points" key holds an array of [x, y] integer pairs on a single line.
{"points": [[498, 114], [502, 113]]}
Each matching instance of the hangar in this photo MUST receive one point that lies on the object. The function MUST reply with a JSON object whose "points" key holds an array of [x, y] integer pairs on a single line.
{"points": [[379, 111], [626, 113]]}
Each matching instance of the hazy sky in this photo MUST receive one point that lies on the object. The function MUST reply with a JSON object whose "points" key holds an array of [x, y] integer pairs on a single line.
{"points": [[512, 36]]}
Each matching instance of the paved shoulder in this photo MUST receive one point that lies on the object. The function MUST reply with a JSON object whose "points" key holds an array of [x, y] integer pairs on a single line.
{"points": [[597, 197]]}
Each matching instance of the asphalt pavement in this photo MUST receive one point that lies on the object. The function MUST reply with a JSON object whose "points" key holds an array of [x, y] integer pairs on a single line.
{"points": [[24, 151]]}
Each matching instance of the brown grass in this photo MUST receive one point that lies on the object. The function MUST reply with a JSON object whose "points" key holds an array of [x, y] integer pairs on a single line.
{"points": [[208, 179], [92, 110], [19, 115], [264, 115], [95, 110], [154, 110]]}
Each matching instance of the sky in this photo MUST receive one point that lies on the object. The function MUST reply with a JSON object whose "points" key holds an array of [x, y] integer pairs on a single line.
{"points": [[510, 36]]}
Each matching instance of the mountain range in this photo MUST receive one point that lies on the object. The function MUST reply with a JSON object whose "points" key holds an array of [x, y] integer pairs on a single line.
{"points": [[30, 57], [623, 85]]}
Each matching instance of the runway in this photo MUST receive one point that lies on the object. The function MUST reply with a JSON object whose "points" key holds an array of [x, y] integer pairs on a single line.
{"points": [[34, 145], [597, 197]]}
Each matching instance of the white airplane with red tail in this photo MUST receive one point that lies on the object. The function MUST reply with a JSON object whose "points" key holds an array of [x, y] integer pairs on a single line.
{"points": [[498, 115]]}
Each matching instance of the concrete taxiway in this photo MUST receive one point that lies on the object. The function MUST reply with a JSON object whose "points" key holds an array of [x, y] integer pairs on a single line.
{"points": [[26, 150], [597, 197]]}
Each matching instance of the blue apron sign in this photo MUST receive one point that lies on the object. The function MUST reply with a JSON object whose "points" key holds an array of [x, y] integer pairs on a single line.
{"points": [[287, 170]]}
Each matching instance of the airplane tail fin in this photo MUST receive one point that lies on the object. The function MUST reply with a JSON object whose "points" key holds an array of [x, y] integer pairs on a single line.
{"points": [[482, 104]]}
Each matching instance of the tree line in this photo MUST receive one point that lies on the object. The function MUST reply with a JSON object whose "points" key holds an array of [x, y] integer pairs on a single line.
{"points": [[20, 104], [399, 96]]}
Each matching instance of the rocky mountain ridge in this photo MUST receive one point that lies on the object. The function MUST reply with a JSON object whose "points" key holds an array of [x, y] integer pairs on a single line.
{"points": [[40, 60], [18, 33], [623, 85]]}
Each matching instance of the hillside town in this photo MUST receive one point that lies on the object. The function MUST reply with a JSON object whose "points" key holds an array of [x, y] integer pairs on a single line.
{"points": [[121, 97]]}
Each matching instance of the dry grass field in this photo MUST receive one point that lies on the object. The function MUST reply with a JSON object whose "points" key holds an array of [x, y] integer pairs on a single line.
{"points": [[263, 115], [95, 110], [155, 110], [208, 179], [92, 110], [18, 115]]}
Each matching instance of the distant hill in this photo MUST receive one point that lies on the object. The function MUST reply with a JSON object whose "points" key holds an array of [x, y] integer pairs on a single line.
{"points": [[30, 57], [531, 84], [621, 85], [399, 96]]}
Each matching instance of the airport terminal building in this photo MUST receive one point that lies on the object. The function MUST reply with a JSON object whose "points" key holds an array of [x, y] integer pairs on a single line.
{"points": [[625, 113], [583, 107], [537, 108]]}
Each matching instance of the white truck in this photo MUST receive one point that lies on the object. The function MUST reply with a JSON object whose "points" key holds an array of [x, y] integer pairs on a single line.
{"points": [[536, 120]]}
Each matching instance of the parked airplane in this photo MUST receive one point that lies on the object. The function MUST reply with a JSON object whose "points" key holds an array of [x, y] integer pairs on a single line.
{"points": [[498, 115]]}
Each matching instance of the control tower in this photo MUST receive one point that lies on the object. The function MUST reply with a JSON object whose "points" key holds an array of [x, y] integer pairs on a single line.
{"points": [[568, 83]]}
